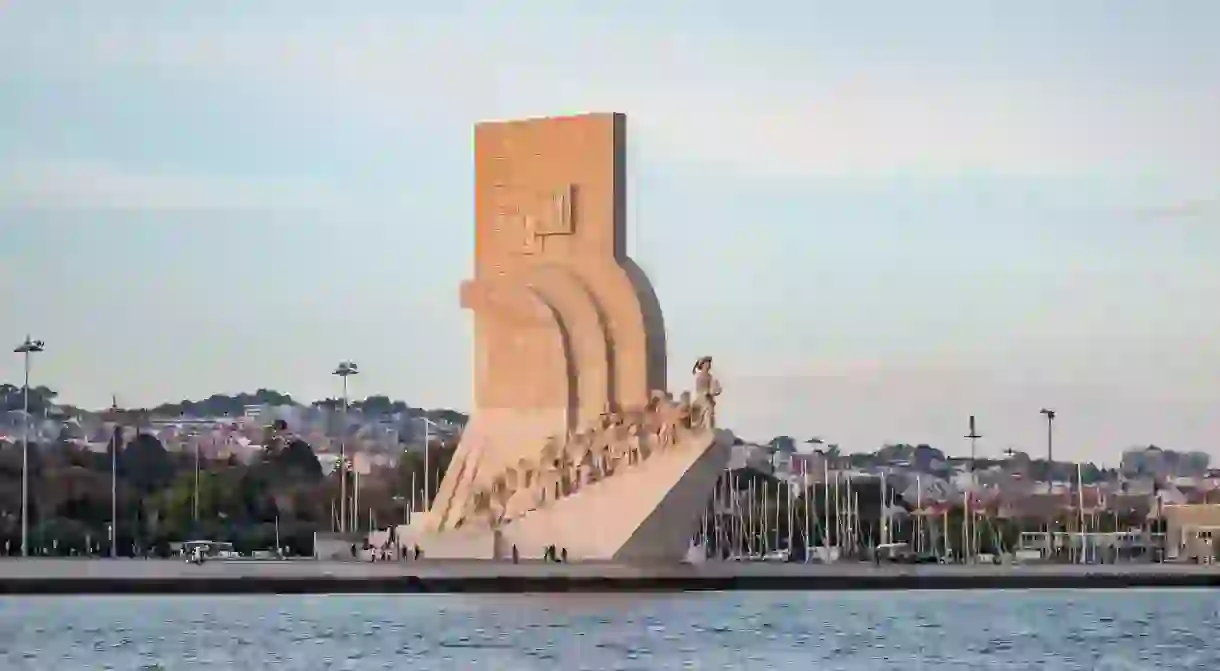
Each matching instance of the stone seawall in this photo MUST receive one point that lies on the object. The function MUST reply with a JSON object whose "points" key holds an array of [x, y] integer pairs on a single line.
{"points": [[309, 577]]}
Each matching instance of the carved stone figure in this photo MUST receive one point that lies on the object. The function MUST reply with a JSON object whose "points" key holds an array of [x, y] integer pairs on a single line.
{"points": [[620, 447], [480, 508], [707, 388], [521, 502], [601, 451], [587, 468], [527, 472], [684, 410], [576, 446], [499, 500], [574, 455], [567, 476], [635, 448], [667, 424], [551, 451], [634, 416], [651, 424], [601, 459], [549, 484]]}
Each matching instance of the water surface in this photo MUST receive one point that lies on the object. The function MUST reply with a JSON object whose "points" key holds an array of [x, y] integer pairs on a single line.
{"points": [[1129, 629]]}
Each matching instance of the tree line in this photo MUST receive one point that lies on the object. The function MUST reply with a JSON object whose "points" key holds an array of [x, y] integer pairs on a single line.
{"points": [[159, 500]]}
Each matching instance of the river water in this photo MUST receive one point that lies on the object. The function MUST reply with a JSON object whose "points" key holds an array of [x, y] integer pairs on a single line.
{"points": [[1129, 629]]}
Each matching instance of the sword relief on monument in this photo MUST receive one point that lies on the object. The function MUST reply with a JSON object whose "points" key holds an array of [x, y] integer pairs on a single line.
{"points": [[538, 215]]}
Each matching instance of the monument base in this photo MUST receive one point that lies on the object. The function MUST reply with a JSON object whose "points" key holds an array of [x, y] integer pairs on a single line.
{"points": [[643, 513]]}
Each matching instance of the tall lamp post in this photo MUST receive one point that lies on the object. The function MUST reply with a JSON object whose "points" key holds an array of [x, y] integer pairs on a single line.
{"points": [[116, 438], [971, 526], [344, 370], [1050, 461], [1050, 437], [825, 489], [428, 424], [195, 501], [27, 349]]}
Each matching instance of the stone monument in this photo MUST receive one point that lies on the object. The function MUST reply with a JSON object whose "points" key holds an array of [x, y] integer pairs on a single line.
{"points": [[569, 364]]}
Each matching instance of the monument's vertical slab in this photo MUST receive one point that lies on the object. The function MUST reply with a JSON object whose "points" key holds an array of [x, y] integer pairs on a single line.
{"points": [[567, 327], [548, 189], [551, 193]]}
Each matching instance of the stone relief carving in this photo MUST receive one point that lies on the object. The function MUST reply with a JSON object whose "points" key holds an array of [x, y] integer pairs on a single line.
{"points": [[537, 216], [616, 441]]}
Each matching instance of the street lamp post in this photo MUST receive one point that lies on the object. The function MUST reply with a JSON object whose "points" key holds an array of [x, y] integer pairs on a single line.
{"points": [[825, 492], [1050, 469], [195, 502], [344, 370], [427, 449], [27, 348], [971, 528], [116, 437], [1050, 435]]}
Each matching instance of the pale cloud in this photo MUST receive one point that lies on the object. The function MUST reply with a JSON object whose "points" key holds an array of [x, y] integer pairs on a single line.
{"points": [[1207, 209], [92, 186], [750, 107]]}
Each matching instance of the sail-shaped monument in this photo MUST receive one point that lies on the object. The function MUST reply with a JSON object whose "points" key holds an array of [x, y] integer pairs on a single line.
{"points": [[574, 440]]}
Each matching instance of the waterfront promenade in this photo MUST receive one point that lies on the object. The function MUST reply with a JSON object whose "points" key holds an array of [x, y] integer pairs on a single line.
{"points": [[134, 576]]}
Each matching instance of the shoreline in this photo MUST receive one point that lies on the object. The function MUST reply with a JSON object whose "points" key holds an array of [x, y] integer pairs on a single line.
{"points": [[174, 577]]}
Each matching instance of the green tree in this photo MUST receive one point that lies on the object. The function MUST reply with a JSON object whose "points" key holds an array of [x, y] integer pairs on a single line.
{"points": [[145, 464]]}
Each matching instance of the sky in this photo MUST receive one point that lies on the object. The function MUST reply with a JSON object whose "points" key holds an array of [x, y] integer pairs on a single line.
{"points": [[879, 217]]}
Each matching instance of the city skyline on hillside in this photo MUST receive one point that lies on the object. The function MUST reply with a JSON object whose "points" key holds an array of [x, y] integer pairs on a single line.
{"points": [[878, 218], [375, 408]]}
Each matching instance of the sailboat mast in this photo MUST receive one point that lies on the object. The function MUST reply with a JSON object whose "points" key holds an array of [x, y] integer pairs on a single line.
{"points": [[1080, 507], [826, 536], [857, 522], [765, 519], [791, 521], [919, 520], [805, 502], [739, 518], [716, 514], [883, 519], [839, 526], [787, 487], [749, 517], [808, 494], [945, 530]]}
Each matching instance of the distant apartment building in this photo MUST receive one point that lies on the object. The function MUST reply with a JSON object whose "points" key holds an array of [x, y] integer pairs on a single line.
{"points": [[1161, 463], [752, 456]]}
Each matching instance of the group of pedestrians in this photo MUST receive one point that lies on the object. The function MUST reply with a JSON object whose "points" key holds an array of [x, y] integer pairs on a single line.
{"points": [[550, 554], [386, 553]]}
